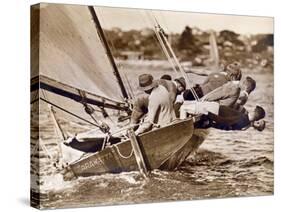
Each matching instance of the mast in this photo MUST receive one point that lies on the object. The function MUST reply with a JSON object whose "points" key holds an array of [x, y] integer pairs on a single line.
{"points": [[108, 52]]}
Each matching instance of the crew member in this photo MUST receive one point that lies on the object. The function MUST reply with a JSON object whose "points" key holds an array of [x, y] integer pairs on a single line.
{"points": [[140, 106], [232, 93], [231, 119], [232, 72], [248, 86], [160, 107]]}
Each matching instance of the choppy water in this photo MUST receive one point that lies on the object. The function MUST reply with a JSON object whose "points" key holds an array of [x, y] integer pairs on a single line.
{"points": [[228, 164]]}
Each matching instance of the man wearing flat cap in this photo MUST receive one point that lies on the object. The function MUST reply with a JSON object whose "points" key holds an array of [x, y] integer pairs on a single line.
{"points": [[160, 106]]}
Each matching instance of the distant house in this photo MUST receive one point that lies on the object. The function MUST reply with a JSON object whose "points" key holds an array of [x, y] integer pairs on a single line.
{"points": [[131, 55]]}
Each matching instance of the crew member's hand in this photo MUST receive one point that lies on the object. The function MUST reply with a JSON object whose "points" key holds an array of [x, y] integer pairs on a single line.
{"points": [[179, 99], [137, 133], [243, 98], [104, 127]]}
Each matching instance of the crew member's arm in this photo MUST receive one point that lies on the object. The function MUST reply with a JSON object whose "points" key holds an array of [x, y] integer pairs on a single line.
{"points": [[135, 117], [243, 98], [230, 100], [139, 109], [226, 94], [153, 107], [214, 95]]}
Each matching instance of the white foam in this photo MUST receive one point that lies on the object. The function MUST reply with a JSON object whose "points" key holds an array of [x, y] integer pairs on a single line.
{"points": [[56, 183]]}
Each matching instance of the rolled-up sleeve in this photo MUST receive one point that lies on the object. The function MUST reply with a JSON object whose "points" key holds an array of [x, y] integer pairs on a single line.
{"points": [[153, 106], [139, 107]]}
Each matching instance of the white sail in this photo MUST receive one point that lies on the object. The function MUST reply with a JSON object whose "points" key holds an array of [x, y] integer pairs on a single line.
{"points": [[71, 51], [68, 52]]}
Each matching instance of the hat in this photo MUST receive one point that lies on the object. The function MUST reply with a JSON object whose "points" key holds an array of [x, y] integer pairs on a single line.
{"points": [[250, 84], [181, 80], [260, 112], [146, 82], [234, 70], [166, 77]]}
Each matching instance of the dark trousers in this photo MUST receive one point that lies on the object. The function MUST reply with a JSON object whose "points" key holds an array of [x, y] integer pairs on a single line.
{"points": [[229, 118], [187, 94]]}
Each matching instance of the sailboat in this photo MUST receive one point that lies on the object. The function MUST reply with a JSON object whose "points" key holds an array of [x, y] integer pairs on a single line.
{"points": [[76, 76]]}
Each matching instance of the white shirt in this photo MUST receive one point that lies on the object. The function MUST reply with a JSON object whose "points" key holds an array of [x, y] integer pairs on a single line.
{"points": [[196, 108]]}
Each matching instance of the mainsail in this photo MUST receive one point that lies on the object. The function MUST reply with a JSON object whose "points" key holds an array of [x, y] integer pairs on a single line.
{"points": [[73, 62], [71, 51]]}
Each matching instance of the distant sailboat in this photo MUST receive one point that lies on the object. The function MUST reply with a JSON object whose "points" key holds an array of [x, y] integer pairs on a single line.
{"points": [[214, 52]]}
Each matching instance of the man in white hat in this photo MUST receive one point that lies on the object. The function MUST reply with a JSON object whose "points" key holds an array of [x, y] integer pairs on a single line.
{"points": [[160, 107]]}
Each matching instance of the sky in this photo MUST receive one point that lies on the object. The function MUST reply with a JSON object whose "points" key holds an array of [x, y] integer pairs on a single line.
{"points": [[175, 22]]}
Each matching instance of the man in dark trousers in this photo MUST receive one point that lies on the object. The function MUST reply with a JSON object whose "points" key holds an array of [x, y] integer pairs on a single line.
{"points": [[231, 119]]}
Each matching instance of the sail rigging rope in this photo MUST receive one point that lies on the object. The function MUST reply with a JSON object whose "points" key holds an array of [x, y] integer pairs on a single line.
{"points": [[174, 67], [34, 149], [35, 100], [159, 41], [52, 160], [170, 53], [45, 150], [132, 94], [68, 112], [60, 128], [187, 79], [36, 97], [156, 40], [88, 109]]}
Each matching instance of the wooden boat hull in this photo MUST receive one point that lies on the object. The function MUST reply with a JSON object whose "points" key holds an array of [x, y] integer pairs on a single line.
{"points": [[157, 146], [198, 137]]}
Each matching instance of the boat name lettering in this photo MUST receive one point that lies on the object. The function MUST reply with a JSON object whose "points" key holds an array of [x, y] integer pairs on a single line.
{"points": [[93, 162]]}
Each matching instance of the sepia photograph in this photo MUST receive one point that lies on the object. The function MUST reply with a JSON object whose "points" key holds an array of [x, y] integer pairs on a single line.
{"points": [[136, 106]]}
